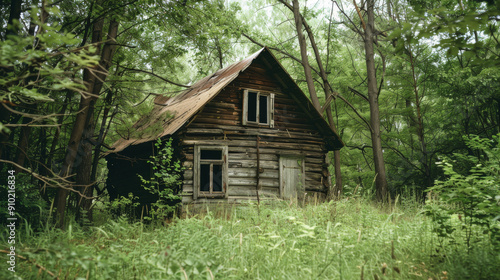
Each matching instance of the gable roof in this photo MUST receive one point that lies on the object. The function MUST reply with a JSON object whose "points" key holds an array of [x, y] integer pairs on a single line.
{"points": [[173, 113]]}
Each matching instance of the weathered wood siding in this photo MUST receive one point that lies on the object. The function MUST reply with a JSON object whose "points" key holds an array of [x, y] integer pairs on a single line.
{"points": [[220, 122]]}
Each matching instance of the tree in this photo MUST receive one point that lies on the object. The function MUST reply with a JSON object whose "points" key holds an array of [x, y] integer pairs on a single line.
{"points": [[369, 35]]}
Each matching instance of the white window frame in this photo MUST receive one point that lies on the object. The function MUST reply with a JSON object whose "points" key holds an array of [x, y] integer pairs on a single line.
{"points": [[197, 193], [270, 108]]}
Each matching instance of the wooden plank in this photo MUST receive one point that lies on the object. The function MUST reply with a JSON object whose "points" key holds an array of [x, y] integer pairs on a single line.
{"points": [[314, 176], [252, 82], [207, 115], [251, 191], [236, 90], [217, 121], [282, 137], [204, 131], [290, 125], [221, 142], [188, 174], [249, 143], [318, 156], [187, 188], [252, 173], [245, 153], [266, 87], [253, 164], [253, 156], [252, 182], [293, 119], [263, 130], [213, 110], [311, 167], [221, 105]]}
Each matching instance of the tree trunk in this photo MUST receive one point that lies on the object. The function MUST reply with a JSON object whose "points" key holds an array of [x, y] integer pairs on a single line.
{"points": [[22, 145], [15, 14], [303, 54], [420, 124], [378, 157], [102, 134], [5, 115], [299, 21], [95, 82], [84, 169]]}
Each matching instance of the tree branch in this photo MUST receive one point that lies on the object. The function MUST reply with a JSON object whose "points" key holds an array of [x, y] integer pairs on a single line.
{"points": [[278, 50], [355, 111], [58, 182], [155, 75], [358, 93]]}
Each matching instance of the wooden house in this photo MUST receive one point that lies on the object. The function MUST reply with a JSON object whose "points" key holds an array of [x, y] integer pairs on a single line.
{"points": [[245, 132]]}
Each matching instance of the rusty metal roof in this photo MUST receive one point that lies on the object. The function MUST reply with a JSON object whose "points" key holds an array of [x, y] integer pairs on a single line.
{"points": [[170, 114], [173, 113]]}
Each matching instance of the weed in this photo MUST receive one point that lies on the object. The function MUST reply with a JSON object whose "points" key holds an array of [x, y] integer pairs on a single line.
{"points": [[236, 242]]}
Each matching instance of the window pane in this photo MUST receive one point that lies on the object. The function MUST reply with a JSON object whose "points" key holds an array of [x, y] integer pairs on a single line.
{"points": [[252, 107], [205, 177], [211, 154], [263, 109], [217, 178]]}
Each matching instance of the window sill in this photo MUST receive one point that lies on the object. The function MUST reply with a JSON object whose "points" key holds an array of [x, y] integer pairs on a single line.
{"points": [[213, 195], [258, 125]]}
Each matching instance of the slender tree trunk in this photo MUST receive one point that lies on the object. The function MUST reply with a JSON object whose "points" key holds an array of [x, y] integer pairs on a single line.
{"points": [[84, 169], [95, 83], [78, 127], [23, 144], [303, 54], [102, 134], [299, 21], [420, 124], [5, 115], [337, 191], [55, 140], [378, 156], [15, 14]]}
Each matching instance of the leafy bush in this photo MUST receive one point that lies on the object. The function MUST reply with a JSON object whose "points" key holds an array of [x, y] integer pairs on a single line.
{"points": [[165, 180], [338, 240], [29, 204], [470, 201]]}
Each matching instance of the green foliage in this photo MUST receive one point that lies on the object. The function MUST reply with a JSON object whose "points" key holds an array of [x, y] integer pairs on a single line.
{"points": [[334, 240], [30, 207], [123, 205], [471, 200], [34, 68], [165, 181]]}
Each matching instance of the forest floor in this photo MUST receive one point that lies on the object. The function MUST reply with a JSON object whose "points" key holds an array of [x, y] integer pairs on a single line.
{"points": [[348, 239]]}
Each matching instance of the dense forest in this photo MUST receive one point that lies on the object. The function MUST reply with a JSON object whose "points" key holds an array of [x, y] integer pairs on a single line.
{"points": [[412, 87]]}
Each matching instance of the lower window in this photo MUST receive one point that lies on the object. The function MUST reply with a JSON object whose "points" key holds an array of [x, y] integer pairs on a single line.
{"points": [[210, 171]]}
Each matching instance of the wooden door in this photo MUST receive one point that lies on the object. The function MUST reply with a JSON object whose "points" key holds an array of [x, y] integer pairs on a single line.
{"points": [[292, 177]]}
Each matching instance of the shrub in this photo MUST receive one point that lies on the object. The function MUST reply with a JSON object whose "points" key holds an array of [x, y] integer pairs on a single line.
{"points": [[165, 180], [470, 201], [29, 204]]}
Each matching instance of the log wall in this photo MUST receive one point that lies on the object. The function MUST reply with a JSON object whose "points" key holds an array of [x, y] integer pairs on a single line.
{"points": [[220, 122]]}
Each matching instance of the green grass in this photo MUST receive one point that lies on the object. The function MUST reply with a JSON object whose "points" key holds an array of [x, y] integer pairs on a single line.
{"points": [[337, 240]]}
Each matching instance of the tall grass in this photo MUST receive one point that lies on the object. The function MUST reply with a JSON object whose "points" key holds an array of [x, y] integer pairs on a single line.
{"points": [[349, 239]]}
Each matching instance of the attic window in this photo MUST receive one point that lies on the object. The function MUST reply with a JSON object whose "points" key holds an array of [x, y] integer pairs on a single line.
{"points": [[210, 171], [258, 108]]}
